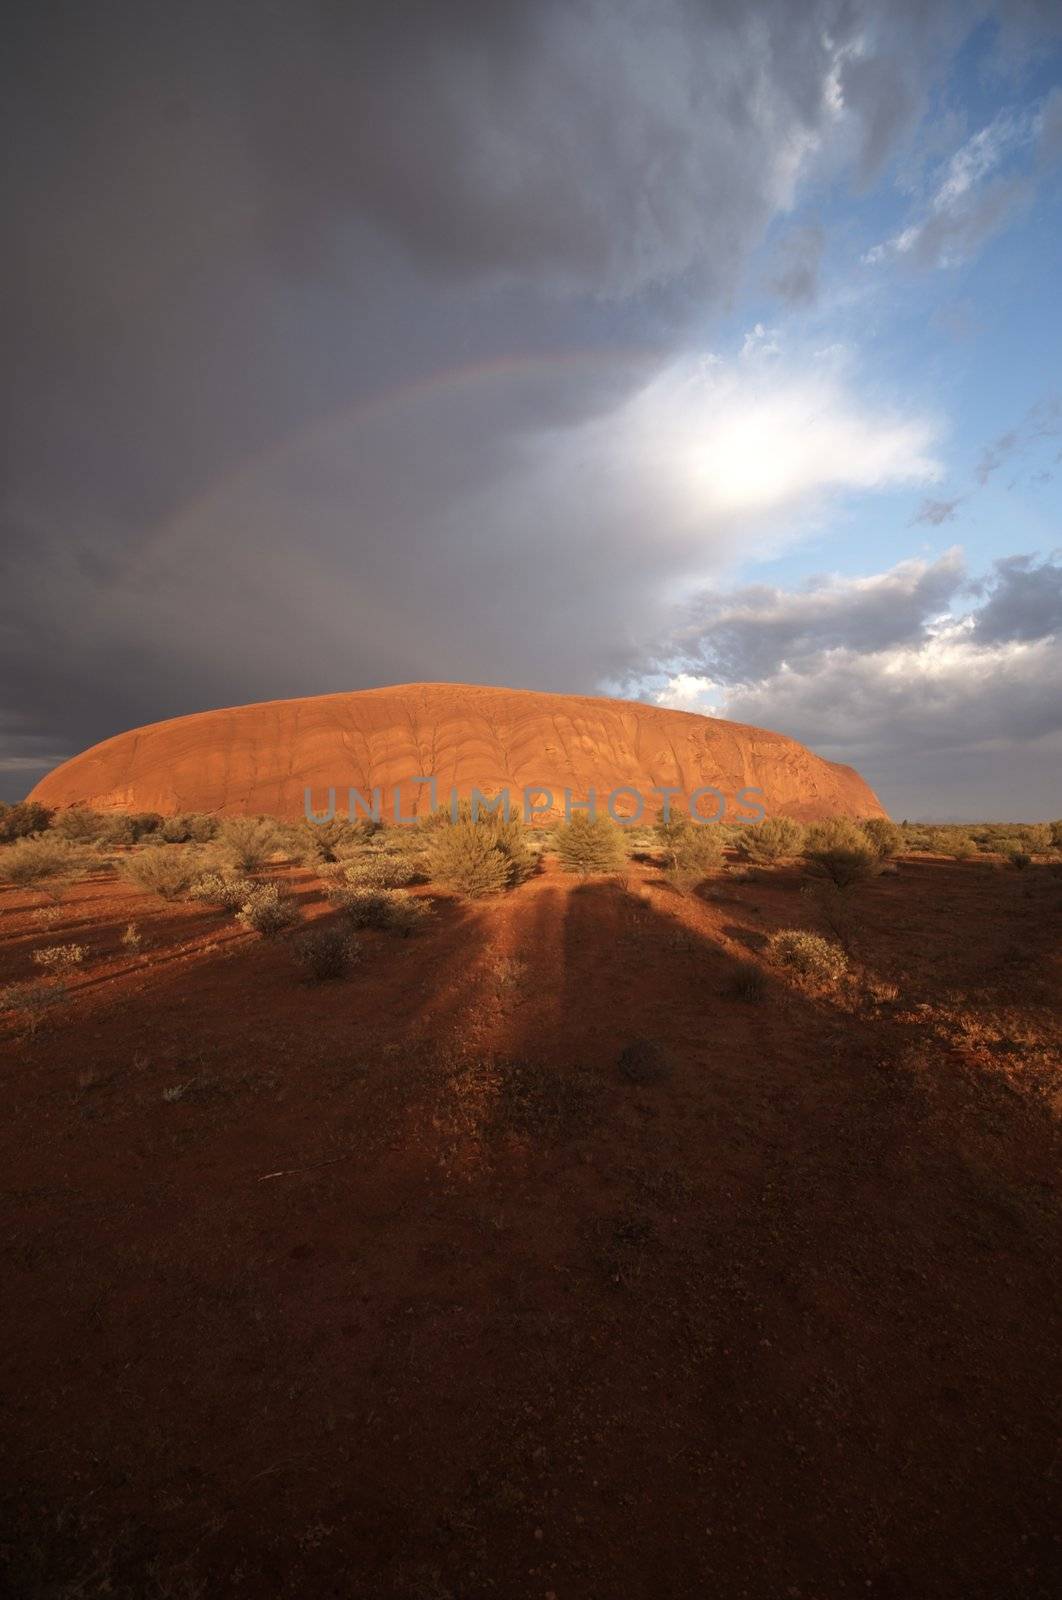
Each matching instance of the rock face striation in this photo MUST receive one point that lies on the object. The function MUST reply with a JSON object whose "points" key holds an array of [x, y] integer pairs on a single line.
{"points": [[262, 758]]}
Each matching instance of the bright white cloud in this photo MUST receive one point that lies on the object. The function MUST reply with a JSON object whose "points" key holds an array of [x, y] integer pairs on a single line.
{"points": [[687, 692], [716, 445]]}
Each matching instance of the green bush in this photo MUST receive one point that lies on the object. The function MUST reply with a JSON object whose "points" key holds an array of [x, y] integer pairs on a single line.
{"points": [[808, 954], [886, 836], [478, 858], [465, 858], [591, 844], [324, 953], [40, 861], [836, 833], [839, 850], [268, 911], [161, 869], [772, 839], [691, 850], [246, 843], [20, 820]]}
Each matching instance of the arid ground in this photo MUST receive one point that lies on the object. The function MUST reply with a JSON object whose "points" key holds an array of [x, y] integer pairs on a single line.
{"points": [[397, 1286]]}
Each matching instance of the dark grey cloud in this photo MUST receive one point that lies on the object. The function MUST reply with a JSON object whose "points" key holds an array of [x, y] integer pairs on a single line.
{"points": [[945, 713], [1022, 601], [751, 633]]}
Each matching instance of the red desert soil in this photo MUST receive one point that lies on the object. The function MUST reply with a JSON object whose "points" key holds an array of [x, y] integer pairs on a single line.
{"points": [[395, 1287], [260, 758]]}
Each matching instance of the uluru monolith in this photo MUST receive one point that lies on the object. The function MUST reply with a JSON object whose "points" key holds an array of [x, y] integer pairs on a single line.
{"points": [[262, 758]]}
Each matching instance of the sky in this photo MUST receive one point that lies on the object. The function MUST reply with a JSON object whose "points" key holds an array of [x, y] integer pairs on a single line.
{"points": [[701, 352]]}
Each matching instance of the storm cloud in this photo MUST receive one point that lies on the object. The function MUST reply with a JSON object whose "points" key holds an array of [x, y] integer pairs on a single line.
{"points": [[899, 675], [355, 345]]}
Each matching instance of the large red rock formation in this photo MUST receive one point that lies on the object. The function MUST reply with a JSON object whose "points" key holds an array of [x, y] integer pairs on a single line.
{"points": [[261, 758]]}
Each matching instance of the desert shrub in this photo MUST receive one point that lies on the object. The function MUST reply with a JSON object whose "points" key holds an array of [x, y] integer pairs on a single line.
{"points": [[79, 824], [1036, 837], [667, 836], [324, 953], [748, 982], [190, 827], [128, 829], [955, 842], [836, 833], [845, 867], [589, 844], [224, 889], [644, 1061], [20, 820], [392, 909], [33, 1001], [363, 908], [464, 858], [407, 914], [808, 954], [131, 939], [1056, 834], [886, 836], [1017, 857], [48, 916], [478, 858], [691, 849], [117, 830], [146, 823], [40, 861], [269, 911], [161, 870], [60, 957], [699, 853], [175, 831], [771, 839], [840, 851], [317, 842], [246, 843], [377, 871]]}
